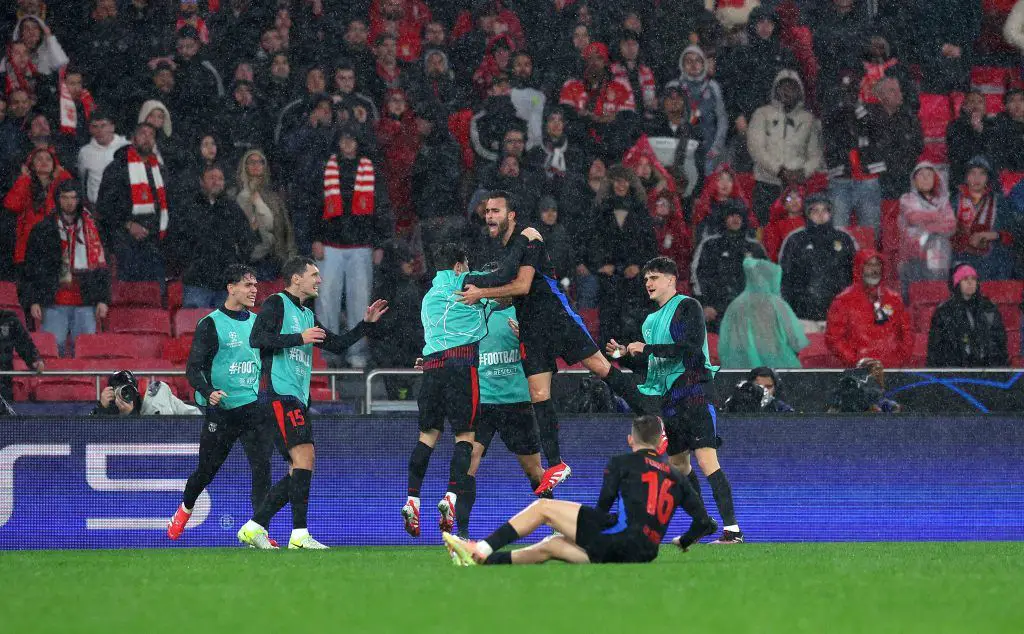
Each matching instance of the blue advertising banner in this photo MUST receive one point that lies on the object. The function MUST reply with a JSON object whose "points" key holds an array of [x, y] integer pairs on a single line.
{"points": [[101, 483]]}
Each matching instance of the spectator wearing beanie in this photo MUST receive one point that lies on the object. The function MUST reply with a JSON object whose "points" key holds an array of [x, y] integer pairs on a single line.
{"points": [[720, 189], [926, 224], [556, 238], [967, 329], [988, 229], [817, 263], [867, 319]]}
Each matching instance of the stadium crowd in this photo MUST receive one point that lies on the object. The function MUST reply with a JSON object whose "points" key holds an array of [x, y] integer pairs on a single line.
{"points": [[828, 171]]}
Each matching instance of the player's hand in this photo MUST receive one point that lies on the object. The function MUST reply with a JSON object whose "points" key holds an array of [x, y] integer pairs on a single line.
{"points": [[106, 396], [636, 348], [470, 295], [614, 346], [36, 311], [101, 311], [39, 366], [318, 250], [216, 396], [514, 325], [532, 234], [124, 406], [375, 310], [419, 364], [313, 335]]}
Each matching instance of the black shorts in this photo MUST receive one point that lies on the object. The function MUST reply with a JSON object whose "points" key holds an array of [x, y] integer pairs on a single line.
{"points": [[610, 548], [452, 394], [514, 423], [690, 427], [294, 427], [561, 336]]}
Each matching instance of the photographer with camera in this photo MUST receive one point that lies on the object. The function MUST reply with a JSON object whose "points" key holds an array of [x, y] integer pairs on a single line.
{"points": [[862, 389], [758, 392], [123, 397]]}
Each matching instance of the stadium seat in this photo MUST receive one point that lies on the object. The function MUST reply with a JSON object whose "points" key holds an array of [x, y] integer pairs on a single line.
{"points": [[935, 113], [863, 236], [138, 321], [70, 388], [930, 292], [176, 349], [267, 288], [1003, 291], [185, 320], [991, 81], [22, 386], [591, 319], [1009, 180], [46, 343], [890, 240], [919, 355], [144, 294], [9, 296], [115, 346], [1011, 316], [1013, 344], [922, 316], [713, 347], [175, 295], [822, 360]]}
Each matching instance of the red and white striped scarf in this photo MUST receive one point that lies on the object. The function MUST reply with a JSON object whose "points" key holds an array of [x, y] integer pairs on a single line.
{"points": [[143, 200], [19, 78], [362, 194], [68, 109], [80, 246]]}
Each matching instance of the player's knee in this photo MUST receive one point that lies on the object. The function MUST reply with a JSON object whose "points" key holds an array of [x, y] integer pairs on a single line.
{"points": [[708, 460]]}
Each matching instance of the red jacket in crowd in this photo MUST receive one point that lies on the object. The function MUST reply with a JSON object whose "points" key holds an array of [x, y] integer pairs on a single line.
{"points": [[407, 30], [32, 206], [865, 322], [781, 224], [399, 142], [710, 199]]}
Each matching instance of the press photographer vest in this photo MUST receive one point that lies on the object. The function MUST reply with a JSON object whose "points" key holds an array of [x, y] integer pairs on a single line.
{"points": [[292, 368], [236, 366]]}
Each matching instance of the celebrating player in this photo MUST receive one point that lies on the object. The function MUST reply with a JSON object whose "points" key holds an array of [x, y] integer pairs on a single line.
{"points": [[225, 372], [285, 333], [650, 490], [675, 355], [549, 328]]}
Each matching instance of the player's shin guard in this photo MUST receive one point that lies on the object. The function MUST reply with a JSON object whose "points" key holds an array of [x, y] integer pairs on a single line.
{"points": [[458, 469], [464, 504], [723, 496], [418, 462], [693, 503], [298, 495], [276, 498], [547, 423], [695, 483]]}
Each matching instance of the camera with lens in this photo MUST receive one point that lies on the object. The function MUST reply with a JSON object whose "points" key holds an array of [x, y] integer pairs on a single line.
{"points": [[747, 398], [127, 392], [126, 386]]}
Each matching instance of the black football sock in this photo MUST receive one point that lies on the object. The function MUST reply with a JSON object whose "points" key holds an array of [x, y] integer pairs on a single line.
{"points": [[623, 384], [695, 483], [299, 496], [502, 537], [193, 488], [547, 423], [458, 468], [276, 498], [723, 496], [693, 503], [504, 557], [464, 504], [418, 462]]}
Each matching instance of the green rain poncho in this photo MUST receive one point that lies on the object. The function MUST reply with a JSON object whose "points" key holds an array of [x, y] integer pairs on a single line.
{"points": [[759, 328]]}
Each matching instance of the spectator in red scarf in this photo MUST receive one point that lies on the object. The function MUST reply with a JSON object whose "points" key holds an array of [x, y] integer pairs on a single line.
{"points": [[18, 71], [399, 140], [787, 215], [926, 223], [867, 319], [879, 62], [75, 105], [33, 196], [389, 70], [188, 15], [497, 61], [720, 188], [639, 76], [68, 285], [404, 19], [987, 228]]}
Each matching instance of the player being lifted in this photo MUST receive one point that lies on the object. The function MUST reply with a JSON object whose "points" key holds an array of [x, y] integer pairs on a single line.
{"points": [[285, 333], [548, 327], [649, 490], [450, 389], [674, 355], [225, 373]]}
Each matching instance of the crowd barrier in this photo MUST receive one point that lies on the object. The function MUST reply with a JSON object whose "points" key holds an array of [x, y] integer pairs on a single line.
{"points": [[113, 483]]}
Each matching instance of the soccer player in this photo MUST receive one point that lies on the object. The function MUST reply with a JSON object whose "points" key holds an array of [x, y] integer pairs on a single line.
{"points": [[225, 371], [678, 367], [285, 333], [450, 389], [549, 328], [649, 490], [504, 403]]}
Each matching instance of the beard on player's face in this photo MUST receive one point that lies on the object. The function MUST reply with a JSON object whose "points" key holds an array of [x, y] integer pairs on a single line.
{"points": [[498, 228]]}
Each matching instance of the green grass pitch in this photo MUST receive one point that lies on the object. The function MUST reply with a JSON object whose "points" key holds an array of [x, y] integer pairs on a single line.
{"points": [[870, 587]]}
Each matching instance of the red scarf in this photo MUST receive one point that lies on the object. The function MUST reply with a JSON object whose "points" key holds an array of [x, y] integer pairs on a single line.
{"points": [[68, 109], [362, 194], [143, 200], [872, 74], [19, 79], [80, 246]]}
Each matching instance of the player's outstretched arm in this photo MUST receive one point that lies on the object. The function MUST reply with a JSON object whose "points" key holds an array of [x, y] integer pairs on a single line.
{"points": [[519, 286], [507, 269], [338, 343], [266, 331], [687, 329], [200, 357]]}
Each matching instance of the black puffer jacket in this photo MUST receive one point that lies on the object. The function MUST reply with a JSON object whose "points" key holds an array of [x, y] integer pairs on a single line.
{"points": [[718, 276], [817, 263], [967, 334]]}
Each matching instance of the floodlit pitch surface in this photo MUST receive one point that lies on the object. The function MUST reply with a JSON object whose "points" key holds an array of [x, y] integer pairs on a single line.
{"points": [[824, 587]]}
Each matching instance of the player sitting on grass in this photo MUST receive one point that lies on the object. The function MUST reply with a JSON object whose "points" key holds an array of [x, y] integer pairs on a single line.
{"points": [[649, 490]]}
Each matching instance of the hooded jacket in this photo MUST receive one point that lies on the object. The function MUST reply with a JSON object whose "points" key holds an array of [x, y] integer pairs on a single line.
{"points": [[817, 263], [30, 203], [926, 223], [48, 57], [780, 140], [967, 333], [747, 73], [781, 224], [866, 322], [759, 328], [706, 209], [708, 118], [717, 270]]}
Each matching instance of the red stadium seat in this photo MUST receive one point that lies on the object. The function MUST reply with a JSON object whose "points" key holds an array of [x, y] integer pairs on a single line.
{"points": [[713, 347], [1003, 291], [1011, 317], [138, 321], [115, 346], [71, 388], [22, 386], [9, 295], [185, 320], [922, 316], [1009, 180], [890, 239], [863, 236], [932, 292], [824, 360], [175, 295], [1013, 343], [935, 114], [146, 294], [46, 343], [176, 349], [267, 288], [919, 356]]}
